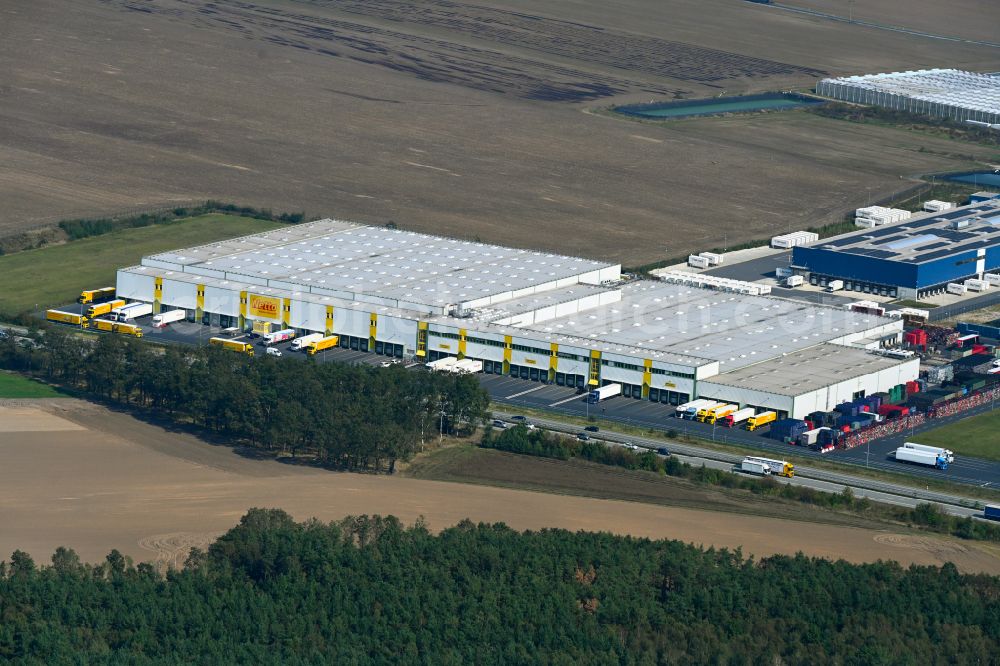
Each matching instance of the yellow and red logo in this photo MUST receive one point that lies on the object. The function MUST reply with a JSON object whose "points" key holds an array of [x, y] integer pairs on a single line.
{"points": [[263, 306]]}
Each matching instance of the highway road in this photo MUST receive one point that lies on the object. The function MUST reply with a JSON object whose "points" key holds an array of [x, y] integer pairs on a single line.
{"points": [[821, 480], [645, 414]]}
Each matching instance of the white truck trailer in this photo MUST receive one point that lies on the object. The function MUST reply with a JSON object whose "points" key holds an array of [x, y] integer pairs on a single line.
{"points": [[690, 409], [301, 344], [164, 318], [467, 366], [132, 311], [835, 285], [949, 455], [604, 392], [755, 467], [443, 364], [927, 458], [279, 336]]}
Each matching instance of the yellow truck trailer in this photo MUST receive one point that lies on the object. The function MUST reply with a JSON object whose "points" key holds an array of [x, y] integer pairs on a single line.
{"points": [[232, 345], [99, 309], [128, 329], [323, 343], [103, 325], [67, 318], [96, 295], [761, 419], [709, 415]]}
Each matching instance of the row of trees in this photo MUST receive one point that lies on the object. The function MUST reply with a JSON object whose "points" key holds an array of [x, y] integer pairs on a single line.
{"points": [[520, 439], [351, 417], [369, 590]]}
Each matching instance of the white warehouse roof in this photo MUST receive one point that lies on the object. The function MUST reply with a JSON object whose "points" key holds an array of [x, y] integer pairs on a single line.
{"points": [[337, 258]]}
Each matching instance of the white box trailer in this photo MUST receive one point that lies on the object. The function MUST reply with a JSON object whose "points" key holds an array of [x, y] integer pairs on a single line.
{"points": [[164, 318], [279, 336], [956, 288], [754, 467], [992, 278], [300, 344], [696, 261], [467, 366], [935, 206], [927, 458], [443, 364], [690, 410], [132, 311], [949, 455], [809, 437], [794, 239], [713, 258], [977, 285], [604, 392], [794, 281], [783, 272], [835, 285]]}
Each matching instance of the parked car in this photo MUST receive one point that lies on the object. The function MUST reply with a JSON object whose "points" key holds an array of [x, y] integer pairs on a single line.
{"points": [[497, 423], [583, 437], [630, 446], [517, 418], [530, 426], [663, 451], [385, 364], [592, 429], [271, 351]]}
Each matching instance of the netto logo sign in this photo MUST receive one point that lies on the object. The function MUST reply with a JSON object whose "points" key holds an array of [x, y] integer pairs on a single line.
{"points": [[262, 306]]}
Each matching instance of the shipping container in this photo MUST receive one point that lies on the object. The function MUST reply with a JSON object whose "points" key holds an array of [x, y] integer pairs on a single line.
{"points": [[956, 288]]}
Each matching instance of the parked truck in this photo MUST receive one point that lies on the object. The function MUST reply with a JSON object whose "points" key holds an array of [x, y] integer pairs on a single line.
{"points": [[133, 311], [301, 344], [328, 342], [232, 345], [96, 295], [778, 467], [760, 420], [713, 414], [67, 318], [928, 458], [604, 392], [164, 318], [751, 466], [128, 329], [690, 409], [106, 325], [279, 336], [98, 309], [948, 455], [443, 364], [737, 417], [992, 512]]}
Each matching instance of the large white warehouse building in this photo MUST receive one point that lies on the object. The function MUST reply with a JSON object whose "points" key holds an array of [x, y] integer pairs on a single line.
{"points": [[533, 315]]}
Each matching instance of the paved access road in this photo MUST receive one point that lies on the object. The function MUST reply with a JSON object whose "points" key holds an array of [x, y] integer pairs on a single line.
{"points": [[821, 480], [645, 414]]}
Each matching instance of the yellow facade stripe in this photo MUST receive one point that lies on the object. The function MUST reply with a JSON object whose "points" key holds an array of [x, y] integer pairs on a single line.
{"points": [[595, 368], [553, 361], [372, 329], [157, 294], [286, 312], [421, 338], [508, 349], [461, 343], [199, 301], [647, 376], [329, 319]]}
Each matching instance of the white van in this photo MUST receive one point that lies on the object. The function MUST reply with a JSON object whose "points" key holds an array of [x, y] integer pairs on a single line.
{"points": [[272, 351]]}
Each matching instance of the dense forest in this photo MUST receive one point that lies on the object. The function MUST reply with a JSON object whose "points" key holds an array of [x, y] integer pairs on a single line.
{"points": [[369, 590], [350, 417]]}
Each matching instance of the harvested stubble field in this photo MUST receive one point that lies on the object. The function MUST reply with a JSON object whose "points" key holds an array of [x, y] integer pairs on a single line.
{"points": [[78, 475], [449, 117]]}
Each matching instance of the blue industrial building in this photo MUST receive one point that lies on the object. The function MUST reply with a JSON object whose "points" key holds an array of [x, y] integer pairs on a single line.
{"points": [[909, 259]]}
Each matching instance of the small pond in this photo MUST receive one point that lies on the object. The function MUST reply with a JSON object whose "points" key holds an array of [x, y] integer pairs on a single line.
{"points": [[717, 105], [990, 179]]}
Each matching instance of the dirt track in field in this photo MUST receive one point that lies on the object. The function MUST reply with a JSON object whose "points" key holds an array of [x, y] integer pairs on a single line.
{"points": [[153, 494], [451, 118]]}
